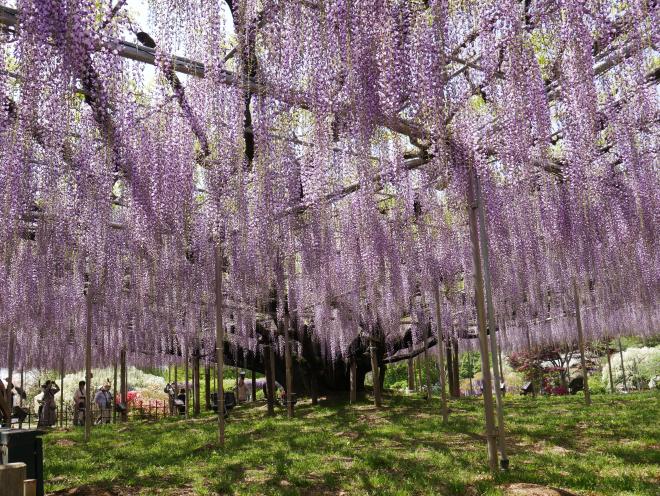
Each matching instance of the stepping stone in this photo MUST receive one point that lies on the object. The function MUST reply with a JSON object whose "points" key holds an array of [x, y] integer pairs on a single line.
{"points": [[524, 489]]}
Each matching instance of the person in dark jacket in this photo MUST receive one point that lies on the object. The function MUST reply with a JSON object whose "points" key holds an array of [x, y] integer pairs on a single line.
{"points": [[48, 413]]}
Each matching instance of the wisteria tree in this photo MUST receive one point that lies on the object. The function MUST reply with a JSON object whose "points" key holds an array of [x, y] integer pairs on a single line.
{"points": [[311, 170]]}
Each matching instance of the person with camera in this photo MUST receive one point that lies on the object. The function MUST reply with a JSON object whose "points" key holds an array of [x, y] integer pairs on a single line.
{"points": [[48, 410]]}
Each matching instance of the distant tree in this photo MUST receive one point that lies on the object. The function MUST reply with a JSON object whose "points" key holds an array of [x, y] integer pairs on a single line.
{"points": [[470, 364], [548, 365]]}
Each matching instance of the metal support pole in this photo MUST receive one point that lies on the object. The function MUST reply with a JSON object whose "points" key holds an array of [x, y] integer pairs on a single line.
{"points": [[583, 360], [497, 376]]}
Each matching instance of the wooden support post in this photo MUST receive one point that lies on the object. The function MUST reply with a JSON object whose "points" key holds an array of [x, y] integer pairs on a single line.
{"points": [[492, 327], [287, 364], [623, 370], [176, 379], [254, 385], [10, 366], [441, 357], [114, 391], [88, 363], [270, 380], [489, 413], [236, 370], [314, 386], [20, 397], [196, 382], [207, 385], [220, 341], [272, 371], [426, 362], [583, 358], [450, 367], [62, 391], [455, 367], [214, 374], [609, 368], [471, 373], [375, 375], [499, 356], [353, 379], [418, 360], [5, 408], [123, 380], [411, 375], [187, 403]]}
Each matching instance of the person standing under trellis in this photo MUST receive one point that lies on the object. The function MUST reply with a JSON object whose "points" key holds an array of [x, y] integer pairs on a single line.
{"points": [[79, 404], [171, 396], [103, 400], [48, 411], [242, 390]]}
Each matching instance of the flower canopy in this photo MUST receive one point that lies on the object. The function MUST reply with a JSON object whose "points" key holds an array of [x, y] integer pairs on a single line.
{"points": [[327, 146]]}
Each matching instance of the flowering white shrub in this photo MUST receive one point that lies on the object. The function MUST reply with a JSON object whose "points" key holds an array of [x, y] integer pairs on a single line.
{"points": [[640, 364], [147, 385]]}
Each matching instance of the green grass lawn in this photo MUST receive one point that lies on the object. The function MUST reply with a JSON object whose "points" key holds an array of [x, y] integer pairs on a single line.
{"points": [[611, 448]]}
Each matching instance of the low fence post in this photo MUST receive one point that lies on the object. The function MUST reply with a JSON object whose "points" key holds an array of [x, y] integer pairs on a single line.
{"points": [[12, 476]]}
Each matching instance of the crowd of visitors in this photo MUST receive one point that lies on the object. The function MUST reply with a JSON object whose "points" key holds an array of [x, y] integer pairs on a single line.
{"points": [[103, 400]]}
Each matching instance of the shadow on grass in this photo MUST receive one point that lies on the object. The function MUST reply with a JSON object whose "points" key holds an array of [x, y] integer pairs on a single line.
{"points": [[402, 448]]}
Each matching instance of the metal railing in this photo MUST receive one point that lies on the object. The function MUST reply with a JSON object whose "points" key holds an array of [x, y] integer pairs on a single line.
{"points": [[138, 410]]}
